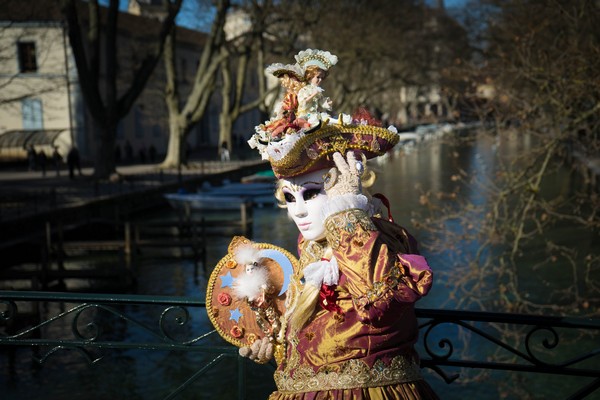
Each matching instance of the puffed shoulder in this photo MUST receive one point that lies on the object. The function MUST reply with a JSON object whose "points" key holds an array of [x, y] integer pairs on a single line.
{"points": [[408, 280], [354, 222]]}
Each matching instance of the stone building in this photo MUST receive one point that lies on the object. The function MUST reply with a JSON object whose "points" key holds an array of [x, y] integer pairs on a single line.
{"points": [[41, 102]]}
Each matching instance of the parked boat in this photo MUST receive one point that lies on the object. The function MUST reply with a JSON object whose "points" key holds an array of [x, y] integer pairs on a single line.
{"points": [[227, 197], [266, 176]]}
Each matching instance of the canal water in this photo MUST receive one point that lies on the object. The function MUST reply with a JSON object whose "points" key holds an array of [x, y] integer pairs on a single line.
{"points": [[403, 176]]}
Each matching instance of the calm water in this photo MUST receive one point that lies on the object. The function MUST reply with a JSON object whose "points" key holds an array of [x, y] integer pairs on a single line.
{"points": [[152, 374]]}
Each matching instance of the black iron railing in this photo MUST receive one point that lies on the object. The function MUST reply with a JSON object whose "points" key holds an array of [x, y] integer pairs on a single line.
{"points": [[510, 342]]}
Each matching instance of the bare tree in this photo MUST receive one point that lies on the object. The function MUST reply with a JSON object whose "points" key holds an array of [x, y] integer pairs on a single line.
{"points": [[539, 105], [184, 115], [105, 104], [384, 46], [243, 55], [541, 65], [266, 29]]}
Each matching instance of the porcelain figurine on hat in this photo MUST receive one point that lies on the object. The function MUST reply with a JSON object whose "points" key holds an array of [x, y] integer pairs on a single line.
{"points": [[312, 104], [303, 105], [347, 327]]}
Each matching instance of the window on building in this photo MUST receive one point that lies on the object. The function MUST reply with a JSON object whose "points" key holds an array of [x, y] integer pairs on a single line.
{"points": [[27, 59], [33, 116]]}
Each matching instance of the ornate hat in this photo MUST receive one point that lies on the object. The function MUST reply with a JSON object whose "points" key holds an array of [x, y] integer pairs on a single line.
{"points": [[320, 58], [314, 151], [309, 145], [299, 153], [278, 70]]}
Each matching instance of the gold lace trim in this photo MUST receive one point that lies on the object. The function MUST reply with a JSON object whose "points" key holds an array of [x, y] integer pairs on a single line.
{"points": [[348, 221], [352, 374], [329, 139], [390, 281], [311, 252]]}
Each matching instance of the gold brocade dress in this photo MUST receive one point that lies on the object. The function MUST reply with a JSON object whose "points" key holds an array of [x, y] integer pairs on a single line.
{"points": [[359, 342]]}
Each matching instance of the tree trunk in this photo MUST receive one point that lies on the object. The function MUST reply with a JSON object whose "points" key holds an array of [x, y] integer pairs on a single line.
{"points": [[183, 117], [176, 151], [225, 127], [107, 110], [104, 160]]}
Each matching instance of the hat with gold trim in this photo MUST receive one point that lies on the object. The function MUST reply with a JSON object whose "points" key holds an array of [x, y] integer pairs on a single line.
{"points": [[301, 152], [300, 146], [278, 70], [298, 154], [319, 58]]}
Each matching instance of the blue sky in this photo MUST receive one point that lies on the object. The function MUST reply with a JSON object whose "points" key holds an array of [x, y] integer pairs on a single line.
{"points": [[189, 15], [449, 3]]}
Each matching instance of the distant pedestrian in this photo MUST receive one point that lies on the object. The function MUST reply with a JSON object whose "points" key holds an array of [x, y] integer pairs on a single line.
{"points": [[74, 162], [152, 153], [31, 157], [57, 159], [224, 151], [117, 154], [41, 160], [142, 154], [128, 152]]}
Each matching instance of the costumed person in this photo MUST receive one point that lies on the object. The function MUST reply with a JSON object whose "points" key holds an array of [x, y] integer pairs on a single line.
{"points": [[348, 327]]}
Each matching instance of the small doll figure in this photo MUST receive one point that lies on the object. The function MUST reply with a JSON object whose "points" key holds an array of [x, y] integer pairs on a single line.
{"points": [[284, 119], [253, 285], [303, 101], [311, 102]]}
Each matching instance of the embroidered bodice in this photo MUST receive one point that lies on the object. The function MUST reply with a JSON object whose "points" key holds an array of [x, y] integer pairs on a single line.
{"points": [[369, 342]]}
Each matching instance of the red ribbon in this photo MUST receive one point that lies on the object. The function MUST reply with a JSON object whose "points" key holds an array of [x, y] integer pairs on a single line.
{"points": [[328, 297], [386, 203]]}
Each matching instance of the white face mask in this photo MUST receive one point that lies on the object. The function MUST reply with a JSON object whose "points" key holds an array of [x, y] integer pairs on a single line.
{"points": [[305, 198]]}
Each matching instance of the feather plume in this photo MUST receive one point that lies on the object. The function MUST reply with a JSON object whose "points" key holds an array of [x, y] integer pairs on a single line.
{"points": [[246, 254], [250, 286]]}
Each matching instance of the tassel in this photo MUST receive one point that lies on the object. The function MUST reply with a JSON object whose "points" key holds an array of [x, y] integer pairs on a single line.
{"points": [[305, 307]]}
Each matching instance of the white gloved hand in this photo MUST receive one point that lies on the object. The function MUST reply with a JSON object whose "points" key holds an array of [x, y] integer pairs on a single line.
{"points": [[344, 178], [260, 352]]}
